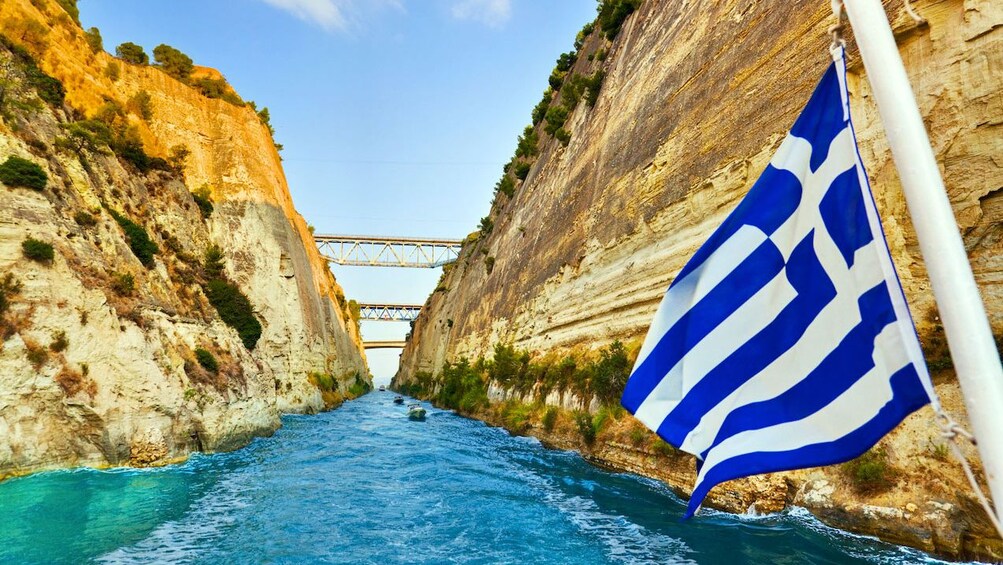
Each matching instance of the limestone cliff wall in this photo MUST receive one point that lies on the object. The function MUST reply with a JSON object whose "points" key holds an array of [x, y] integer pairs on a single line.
{"points": [[127, 388], [697, 97]]}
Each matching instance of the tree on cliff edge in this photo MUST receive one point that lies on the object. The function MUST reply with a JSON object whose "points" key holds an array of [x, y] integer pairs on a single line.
{"points": [[174, 62], [132, 53]]}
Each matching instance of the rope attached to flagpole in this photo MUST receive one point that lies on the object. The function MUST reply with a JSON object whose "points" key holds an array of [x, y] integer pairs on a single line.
{"points": [[950, 430]]}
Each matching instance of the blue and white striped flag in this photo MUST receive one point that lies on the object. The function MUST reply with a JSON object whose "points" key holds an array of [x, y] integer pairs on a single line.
{"points": [[786, 341]]}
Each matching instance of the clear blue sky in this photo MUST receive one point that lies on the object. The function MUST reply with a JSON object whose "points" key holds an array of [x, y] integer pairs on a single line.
{"points": [[396, 115]]}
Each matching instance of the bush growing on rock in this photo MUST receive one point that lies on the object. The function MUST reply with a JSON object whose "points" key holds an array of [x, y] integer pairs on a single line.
{"points": [[70, 6], [214, 268], [235, 310], [123, 284], [9, 287], [609, 374], [207, 360], [59, 342], [556, 116], [37, 355], [563, 135], [612, 14], [132, 53], [85, 219], [94, 39], [203, 199], [550, 418], [139, 241], [522, 170], [583, 420], [16, 171], [37, 250], [140, 104], [73, 382], [173, 62], [870, 472], [113, 71]]}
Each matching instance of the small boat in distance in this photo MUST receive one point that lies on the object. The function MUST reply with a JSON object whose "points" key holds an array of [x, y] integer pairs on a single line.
{"points": [[382, 388], [416, 412], [398, 399]]}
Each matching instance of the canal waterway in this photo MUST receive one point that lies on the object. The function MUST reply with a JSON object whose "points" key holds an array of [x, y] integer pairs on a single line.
{"points": [[363, 484]]}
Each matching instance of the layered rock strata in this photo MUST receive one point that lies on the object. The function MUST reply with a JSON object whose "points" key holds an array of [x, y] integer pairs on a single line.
{"points": [[696, 98], [97, 370]]}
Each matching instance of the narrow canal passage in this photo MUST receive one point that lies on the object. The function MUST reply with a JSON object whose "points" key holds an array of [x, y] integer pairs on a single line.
{"points": [[362, 484]]}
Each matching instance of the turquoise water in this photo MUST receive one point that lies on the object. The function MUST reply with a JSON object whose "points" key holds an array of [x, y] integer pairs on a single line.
{"points": [[362, 484]]}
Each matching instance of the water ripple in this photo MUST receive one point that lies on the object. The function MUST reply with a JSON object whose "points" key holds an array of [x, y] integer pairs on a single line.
{"points": [[365, 485]]}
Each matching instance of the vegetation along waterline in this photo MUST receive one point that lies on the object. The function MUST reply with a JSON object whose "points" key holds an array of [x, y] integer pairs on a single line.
{"points": [[164, 304]]}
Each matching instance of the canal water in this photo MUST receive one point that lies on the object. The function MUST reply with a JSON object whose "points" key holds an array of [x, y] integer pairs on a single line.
{"points": [[363, 484]]}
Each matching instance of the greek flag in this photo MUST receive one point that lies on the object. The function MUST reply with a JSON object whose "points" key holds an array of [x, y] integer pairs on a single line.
{"points": [[786, 341]]}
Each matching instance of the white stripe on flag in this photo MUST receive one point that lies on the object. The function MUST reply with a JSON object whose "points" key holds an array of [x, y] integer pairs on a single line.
{"points": [[798, 361], [848, 412], [698, 283], [738, 328]]}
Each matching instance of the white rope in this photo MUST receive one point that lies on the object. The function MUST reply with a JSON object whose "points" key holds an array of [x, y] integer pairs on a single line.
{"points": [[950, 431], [920, 20], [836, 30]]}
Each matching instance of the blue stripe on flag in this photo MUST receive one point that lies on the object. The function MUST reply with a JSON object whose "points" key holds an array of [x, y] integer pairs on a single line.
{"points": [[863, 350], [756, 270], [769, 203], [844, 204], [839, 370], [908, 396], [822, 118], [814, 291]]}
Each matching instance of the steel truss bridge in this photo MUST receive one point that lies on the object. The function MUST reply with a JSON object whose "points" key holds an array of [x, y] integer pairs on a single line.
{"points": [[389, 312], [380, 251]]}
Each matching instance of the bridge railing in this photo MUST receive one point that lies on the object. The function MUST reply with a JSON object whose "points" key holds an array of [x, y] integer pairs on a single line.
{"points": [[384, 344], [389, 312], [379, 251]]}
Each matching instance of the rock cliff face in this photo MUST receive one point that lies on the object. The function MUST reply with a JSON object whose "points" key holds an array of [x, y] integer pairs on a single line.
{"points": [[98, 363], [696, 98]]}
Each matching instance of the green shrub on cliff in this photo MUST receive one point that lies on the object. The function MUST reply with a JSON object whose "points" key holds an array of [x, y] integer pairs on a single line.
{"points": [[207, 360], [213, 262], [9, 287], [71, 9], [16, 171], [173, 62], [609, 374], [517, 416], [612, 14], [556, 116], [870, 472], [94, 39], [527, 145], [550, 418], [203, 199], [139, 241], [37, 250], [132, 53], [583, 421], [540, 110], [463, 387], [235, 310]]}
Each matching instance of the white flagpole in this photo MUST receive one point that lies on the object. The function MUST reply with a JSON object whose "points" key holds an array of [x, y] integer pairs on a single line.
{"points": [[968, 334]]}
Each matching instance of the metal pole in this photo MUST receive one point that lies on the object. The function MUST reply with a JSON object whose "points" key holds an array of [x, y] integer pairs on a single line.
{"points": [[968, 333]]}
